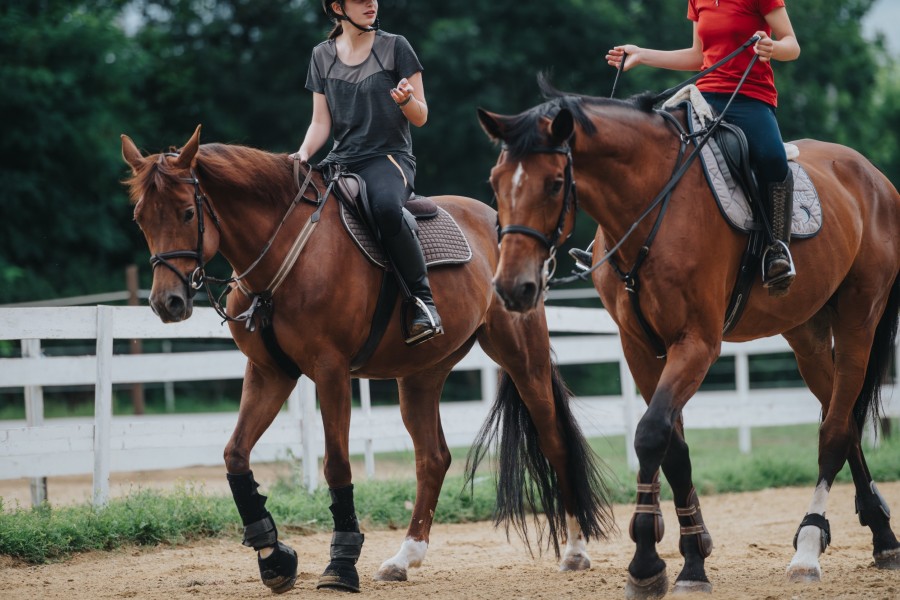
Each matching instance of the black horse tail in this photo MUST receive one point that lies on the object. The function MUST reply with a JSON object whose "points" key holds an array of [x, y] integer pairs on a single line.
{"points": [[868, 404], [526, 481]]}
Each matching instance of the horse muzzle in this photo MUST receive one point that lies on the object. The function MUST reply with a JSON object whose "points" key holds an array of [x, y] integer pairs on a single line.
{"points": [[171, 306], [521, 294]]}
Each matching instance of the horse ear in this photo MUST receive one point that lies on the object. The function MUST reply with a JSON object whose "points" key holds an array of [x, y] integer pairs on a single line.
{"points": [[562, 127], [131, 154], [490, 122], [188, 155]]}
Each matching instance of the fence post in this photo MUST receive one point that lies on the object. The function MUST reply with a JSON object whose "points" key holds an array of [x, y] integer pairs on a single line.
{"points": [[629, 399], [742, 383], [310, 456], [136, 346], [34, 416], [365, 400], [103, 408], [489, 381]]}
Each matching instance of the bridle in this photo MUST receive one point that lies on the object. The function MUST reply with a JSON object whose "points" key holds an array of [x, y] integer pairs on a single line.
{"points": [[555, 239], [197, 278]]}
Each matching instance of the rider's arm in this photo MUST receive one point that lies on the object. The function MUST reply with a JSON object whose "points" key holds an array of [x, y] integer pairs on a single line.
{"points": [[686, 59], [785, 46], [413, 89], [319, 128]]}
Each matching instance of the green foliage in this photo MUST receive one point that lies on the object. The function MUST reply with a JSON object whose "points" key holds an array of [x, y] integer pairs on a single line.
{"points": [[73, 80], [147, 517]]}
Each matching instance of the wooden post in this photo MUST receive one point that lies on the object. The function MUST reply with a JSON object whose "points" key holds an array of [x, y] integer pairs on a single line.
{"points": [[308, 437], [34, 416], [103, 405], [136, 346], [629, 406], [742, 377], [365, 400]]}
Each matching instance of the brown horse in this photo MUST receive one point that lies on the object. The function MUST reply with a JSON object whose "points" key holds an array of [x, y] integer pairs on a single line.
{"points": [[321, 316], [840, 317]]}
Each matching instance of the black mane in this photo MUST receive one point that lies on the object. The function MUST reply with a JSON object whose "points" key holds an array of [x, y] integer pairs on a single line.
{"points": [[522, 132]]}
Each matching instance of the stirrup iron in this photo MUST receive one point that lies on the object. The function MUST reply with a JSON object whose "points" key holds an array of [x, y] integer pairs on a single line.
{"points": [[787, 275]]}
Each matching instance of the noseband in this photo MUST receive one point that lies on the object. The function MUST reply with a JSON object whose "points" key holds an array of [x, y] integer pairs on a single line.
{"points": [[570, 204], [195, 280]]}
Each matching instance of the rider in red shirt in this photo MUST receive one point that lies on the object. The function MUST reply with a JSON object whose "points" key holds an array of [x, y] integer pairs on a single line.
{"points": [[721, 26]]}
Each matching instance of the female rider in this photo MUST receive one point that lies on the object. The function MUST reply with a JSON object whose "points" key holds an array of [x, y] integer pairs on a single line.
{"points": [[720, 26], [367, 88]]}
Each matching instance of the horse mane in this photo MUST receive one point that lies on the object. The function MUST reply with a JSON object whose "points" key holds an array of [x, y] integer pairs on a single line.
{"points": [[522, 132], [254, 173]]}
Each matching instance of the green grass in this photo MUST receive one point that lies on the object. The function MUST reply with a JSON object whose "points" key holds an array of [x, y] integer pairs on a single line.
{"points": [[782, 456]]}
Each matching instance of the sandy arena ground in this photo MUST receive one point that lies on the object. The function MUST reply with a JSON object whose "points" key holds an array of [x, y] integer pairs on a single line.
{"points": [[752, 534]]}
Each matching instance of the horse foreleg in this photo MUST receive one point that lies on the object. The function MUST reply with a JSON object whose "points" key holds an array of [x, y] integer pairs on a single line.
{"points": [[264, 392], [346, 541], [419, 395], [695, 543], [685, 367]]}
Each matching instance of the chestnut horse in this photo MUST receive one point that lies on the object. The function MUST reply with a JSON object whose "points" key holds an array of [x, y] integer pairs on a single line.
{"points": [[321, 315], [840, 317]]}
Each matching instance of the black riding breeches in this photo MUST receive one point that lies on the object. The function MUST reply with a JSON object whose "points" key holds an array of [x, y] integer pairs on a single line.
{"points": [[389, 182]]}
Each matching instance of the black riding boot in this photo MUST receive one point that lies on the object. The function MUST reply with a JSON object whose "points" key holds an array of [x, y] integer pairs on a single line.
{"points": [[407, 257], [778, 266]]}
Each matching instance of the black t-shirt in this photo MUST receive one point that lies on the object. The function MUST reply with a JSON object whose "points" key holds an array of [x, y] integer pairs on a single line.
{"points": [[365, 120]]}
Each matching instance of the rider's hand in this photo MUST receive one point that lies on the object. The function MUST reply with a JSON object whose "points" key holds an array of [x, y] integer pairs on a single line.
{"points": [[402, 92], [764, 47], [300, 154], [614, 56]]}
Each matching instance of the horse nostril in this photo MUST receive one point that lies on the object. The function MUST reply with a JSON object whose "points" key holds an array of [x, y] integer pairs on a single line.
{"points": [[175, 305], [527, 292]]}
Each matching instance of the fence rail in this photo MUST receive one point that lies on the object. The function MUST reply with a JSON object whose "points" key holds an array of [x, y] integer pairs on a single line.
{"points": [[104, 443]]}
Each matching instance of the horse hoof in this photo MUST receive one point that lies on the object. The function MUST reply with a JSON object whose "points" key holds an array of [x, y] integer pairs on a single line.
{"points": [[578, 562], [278, 571], [339, 575], [804, 574], [889, 559], [692, 587], [647, 589], [390, 573]]}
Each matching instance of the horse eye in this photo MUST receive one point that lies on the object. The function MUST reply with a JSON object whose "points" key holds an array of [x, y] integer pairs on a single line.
{"points": [[188, 215], [556, 187]]}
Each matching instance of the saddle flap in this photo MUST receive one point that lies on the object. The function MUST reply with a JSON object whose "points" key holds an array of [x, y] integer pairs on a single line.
{"points": [[733, 144]]}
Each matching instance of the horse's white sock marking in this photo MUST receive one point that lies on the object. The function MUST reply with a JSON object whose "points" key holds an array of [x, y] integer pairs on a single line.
{"points": [[809, 542], [411, 554]]}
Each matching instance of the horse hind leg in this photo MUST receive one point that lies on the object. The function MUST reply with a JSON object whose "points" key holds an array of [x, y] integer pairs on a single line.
{"points": [[874, 513], [419, 395]]}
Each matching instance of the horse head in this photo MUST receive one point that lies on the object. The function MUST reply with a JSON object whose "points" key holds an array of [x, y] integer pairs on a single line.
{"points": [[170, 209], [535, 194]]}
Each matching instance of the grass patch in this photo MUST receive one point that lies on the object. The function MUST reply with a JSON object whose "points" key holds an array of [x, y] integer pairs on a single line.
{"points": [[782, 456]]}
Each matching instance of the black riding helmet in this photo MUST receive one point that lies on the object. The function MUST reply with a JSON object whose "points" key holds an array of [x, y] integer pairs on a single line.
{"points": [[329, 12]]}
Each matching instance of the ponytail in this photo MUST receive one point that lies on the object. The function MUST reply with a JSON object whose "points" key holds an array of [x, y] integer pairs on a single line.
{"points": [[337, 30]]}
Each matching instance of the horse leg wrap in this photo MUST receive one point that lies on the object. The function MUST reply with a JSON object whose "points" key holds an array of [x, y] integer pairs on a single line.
{"points": [[278, 571], [870, 509], [340, 573], [259, 527], [659, 526], [696, 526], [816, 520]]}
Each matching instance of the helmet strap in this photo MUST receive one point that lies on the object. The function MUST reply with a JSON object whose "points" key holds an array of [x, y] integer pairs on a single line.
{"points": [[375, 27]]}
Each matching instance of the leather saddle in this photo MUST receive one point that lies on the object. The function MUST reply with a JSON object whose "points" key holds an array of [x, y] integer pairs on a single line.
{"points": [[351, 191]]}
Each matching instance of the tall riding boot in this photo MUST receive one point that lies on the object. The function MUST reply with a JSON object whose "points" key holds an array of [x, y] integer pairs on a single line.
{"points": [[407, 257], [778, 266]]}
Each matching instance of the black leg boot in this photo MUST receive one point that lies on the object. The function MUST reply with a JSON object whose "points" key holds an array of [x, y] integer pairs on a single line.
{"points": [[346, 544], [407, 257], [778, 266]]}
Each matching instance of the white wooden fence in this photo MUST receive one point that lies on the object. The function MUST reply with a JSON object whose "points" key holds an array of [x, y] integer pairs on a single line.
{"points": [[37, 448]]}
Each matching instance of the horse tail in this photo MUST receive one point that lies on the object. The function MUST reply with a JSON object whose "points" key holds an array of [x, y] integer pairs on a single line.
{"points": [[868, 404], [526, 481]]}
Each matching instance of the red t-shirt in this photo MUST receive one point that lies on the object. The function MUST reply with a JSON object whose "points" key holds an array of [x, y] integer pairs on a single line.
{"points": [[723, 25]]}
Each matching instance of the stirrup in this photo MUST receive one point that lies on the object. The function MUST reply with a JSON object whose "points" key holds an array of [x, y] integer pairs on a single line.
{"points": [[582, 258], [785, 277], [433, 330]]}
